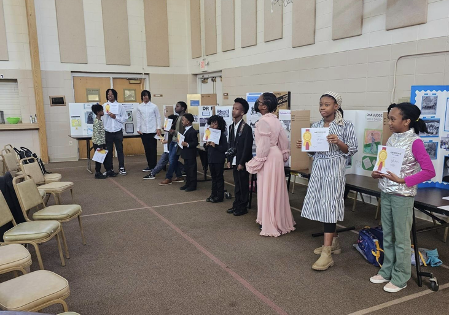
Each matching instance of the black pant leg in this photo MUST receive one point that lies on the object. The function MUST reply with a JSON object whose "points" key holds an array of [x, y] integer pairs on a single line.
{"points": [[237, 187], [109, 137], [220, 180], [241, 190], [245, 188], [98, 166], [191, 173], [118, 141], [146, 144], [213, 171], [152, 157]]}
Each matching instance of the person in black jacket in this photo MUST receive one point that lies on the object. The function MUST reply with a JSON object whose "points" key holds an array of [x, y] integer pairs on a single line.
{"points": [[216, 159], [240, 138], [189, 153]]}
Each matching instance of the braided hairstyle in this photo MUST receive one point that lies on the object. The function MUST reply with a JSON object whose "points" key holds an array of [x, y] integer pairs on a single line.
{"points": [[411, 112]]}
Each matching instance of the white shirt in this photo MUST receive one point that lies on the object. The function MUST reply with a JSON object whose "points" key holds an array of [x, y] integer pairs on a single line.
{"points": [[148, 118], [235, 135], [114, 125], [185, 130]]}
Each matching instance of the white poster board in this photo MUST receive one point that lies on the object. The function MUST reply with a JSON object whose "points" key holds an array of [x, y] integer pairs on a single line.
{"points": [[369, 132], [82, 119]]}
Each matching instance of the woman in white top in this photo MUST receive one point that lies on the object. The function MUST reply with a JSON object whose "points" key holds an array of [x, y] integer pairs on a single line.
{"points": [[148, 125]]}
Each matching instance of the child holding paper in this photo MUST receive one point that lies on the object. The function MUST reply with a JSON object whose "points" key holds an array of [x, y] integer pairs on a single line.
{"points": [[216, 158], [397, 194], [98, 137], [164, 159], [324, 199], [189, 153]]}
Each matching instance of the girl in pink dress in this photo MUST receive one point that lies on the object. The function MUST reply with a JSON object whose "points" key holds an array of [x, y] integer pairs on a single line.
{"points": [[272, 151]]}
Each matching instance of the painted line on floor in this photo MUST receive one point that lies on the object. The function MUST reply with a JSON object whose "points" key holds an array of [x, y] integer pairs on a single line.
{"points": [[110, 212], [216, 260], [134, 209], [397, 301], [180, 203]]}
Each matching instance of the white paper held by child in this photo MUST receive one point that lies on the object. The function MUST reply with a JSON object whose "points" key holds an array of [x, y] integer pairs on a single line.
{"points": [[315, 140], [389, 159], [100, 155]]}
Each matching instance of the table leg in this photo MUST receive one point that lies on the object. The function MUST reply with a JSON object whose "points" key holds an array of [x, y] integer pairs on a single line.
{"points": [[88, 154], [416, 249]]}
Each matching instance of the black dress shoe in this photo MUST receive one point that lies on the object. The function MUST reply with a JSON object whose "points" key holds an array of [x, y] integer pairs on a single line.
{"points": [[240, 212], [216, 200], [190, 189], [183, 187], [210, 199], [231, 210]]}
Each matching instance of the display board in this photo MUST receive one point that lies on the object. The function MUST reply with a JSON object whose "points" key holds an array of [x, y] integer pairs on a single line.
{"points": [[369, 132], [82, 119], [433, 102]]}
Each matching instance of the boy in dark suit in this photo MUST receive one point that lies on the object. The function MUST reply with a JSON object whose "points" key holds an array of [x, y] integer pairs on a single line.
{"points": [[240, 137], [189, 153], [216, 159]]}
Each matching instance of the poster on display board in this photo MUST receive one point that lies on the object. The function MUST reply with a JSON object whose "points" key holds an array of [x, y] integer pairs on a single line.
{"points": [[369, 132], [82, 118], [252, 116], [433, 102]]}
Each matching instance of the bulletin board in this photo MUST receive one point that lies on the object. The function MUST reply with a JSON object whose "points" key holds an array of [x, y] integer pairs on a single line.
{"points": [[433, 101], [82, 118]]}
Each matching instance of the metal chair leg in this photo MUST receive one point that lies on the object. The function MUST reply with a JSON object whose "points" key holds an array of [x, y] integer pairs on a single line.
{"points": [[81, 230], [38, 254], [66, 248], [61, 256]]}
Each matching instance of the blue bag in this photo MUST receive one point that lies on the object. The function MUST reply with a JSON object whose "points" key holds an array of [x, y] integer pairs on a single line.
{"points": [[370, 245]]}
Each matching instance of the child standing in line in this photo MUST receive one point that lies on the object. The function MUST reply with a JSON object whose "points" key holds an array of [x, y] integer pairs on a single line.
{"points": [[324, 201], [397, 194], [216, 159], [189, 153], [98, 137], [164, 159]]}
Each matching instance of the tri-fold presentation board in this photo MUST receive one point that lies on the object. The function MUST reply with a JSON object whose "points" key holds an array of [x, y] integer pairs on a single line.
{"points": [[82, 119]]}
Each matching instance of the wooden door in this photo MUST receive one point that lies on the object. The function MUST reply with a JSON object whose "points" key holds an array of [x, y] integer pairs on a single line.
{"points": [[130, 93], [80, 86]]}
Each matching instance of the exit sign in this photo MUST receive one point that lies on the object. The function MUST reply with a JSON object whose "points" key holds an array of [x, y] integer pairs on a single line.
{"points": [[203, 64]]}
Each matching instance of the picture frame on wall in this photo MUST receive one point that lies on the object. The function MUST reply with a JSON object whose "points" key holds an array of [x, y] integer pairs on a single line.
{"points": [[93, 95], [129, 95]]}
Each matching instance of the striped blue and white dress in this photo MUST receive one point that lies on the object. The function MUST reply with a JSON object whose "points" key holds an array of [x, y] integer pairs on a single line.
{"points": [[324, 199]]}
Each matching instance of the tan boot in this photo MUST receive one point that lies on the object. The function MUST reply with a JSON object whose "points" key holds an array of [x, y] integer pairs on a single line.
{"points": [[335, 247], [325, 261]]}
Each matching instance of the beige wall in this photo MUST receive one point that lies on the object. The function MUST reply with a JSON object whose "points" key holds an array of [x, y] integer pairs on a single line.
{"points": [[60, 146], [364, 77]]}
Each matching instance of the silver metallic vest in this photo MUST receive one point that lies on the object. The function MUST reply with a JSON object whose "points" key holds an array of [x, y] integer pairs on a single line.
{"points": [[409, 167]]}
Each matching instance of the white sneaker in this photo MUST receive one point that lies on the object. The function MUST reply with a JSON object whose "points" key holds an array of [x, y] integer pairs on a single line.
{"points": [[392, 288], [122, 171], [378, 279]]}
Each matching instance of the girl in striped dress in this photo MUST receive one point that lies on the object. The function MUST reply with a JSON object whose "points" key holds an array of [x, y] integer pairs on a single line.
{"points": [[324, 199]]}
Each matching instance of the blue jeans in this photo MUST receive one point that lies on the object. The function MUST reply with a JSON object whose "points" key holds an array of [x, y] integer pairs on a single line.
{"points": [[173, 161], [161, 163]]}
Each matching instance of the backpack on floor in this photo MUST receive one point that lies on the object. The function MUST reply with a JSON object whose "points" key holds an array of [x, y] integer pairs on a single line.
{"points": [[25, 153], [370, 245]]}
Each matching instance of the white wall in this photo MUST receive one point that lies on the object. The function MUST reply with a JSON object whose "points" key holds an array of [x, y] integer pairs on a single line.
{"points": [[373, 35]]}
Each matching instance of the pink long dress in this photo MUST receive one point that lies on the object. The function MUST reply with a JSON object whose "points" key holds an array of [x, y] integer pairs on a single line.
{"points": [[272, 150]]}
